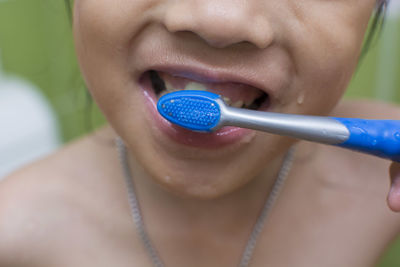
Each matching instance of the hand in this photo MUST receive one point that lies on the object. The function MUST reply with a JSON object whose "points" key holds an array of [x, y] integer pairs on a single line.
{"points": [[393, 198]]}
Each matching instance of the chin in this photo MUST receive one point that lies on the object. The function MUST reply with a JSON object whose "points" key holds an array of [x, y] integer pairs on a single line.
{"points": [[196, 175], [202, 185]]}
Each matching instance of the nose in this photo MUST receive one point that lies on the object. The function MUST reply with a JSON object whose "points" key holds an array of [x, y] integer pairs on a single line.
{"points": [[221, 23]]}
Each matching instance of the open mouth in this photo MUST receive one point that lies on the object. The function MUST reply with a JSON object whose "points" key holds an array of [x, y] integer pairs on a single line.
{"points": [[156, 83], [234, 94]]}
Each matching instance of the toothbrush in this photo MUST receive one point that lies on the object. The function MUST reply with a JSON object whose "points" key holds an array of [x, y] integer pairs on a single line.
{"points": [[204, 111]]}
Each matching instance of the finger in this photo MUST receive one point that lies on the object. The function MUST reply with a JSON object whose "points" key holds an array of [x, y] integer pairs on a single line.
{"points": [[393, 198]]}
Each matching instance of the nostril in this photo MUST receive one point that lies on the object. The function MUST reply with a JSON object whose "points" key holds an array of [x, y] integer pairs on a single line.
{"points": [[219, 24]]}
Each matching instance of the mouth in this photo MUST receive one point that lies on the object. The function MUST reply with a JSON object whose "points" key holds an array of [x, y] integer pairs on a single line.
{"points": [[234, 94]]}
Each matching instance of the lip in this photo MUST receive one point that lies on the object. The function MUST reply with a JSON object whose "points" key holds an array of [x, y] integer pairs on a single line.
{"points": [[227, 136]]}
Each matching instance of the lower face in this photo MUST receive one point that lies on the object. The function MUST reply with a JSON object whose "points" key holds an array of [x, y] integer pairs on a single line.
{"points": [[292, 56]]}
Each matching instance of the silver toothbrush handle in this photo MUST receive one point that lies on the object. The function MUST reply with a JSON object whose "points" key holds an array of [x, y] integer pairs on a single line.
{"points": [[313, 128]]}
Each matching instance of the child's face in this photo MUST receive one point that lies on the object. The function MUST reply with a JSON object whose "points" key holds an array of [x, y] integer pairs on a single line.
{"points": [[301, 53]]}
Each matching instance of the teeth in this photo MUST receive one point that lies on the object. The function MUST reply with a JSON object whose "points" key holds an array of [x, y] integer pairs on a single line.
{"points": [[237, 104], [200, 87], [248, 103], [190, 86], [195, 86], [169, 87], [227, 100]]}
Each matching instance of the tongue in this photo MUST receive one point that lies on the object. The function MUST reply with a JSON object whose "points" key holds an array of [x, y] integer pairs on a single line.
{"points": [[234, 91]]}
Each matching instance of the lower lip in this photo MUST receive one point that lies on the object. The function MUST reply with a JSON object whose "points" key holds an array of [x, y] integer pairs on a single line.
{"points": [[223, 137]]}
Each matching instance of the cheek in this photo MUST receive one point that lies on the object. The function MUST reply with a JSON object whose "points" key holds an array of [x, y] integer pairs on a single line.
{"points": [[103, 30], [113, 20], [326, 49]]}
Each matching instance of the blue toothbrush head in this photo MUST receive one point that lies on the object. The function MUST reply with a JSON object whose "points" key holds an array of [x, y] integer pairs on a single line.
{"points": [[190, 109]]}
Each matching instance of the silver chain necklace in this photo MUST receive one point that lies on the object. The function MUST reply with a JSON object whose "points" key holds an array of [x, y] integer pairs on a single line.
{"points": [[255, 233]]}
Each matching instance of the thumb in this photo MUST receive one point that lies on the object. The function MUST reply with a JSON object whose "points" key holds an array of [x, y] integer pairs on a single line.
{"points": [[393, 198]]}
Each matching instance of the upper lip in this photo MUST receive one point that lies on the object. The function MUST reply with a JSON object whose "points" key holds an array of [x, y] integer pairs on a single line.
{"points": [[209, 74]]}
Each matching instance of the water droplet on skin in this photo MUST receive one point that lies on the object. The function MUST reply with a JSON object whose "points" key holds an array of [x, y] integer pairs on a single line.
{"points": [[167, 178], [300, 99]]}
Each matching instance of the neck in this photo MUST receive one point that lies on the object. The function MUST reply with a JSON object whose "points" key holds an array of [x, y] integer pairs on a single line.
{"points": [[217, 228], [234, 212]]}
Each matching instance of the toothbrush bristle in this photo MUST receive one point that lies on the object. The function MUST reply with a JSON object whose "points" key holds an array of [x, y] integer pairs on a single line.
{"points": [[193, 110]]}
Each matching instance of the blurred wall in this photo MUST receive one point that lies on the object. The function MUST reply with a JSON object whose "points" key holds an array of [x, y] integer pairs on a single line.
{"points": [[378, 74], [36, 43]]}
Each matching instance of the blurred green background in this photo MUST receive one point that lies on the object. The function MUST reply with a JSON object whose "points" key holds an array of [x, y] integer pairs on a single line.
{"points": [[36, 44]]}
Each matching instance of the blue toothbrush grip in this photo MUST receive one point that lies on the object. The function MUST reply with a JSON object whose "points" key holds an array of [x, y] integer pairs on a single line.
{"points": [[377, 137]]}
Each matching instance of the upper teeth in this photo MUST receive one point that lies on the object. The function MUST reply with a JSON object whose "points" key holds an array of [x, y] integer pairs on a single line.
{"points": [[189, 86], [169, 87], [195, 86], [201, 87]]}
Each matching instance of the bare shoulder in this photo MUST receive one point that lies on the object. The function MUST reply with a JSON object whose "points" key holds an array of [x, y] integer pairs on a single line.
{"points": [[41, 203], [369, 166], [357, 172], [355, 181], [367, 109]]}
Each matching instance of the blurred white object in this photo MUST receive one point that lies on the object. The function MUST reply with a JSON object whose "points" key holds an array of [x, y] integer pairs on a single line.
{"points": [[388, 65], [28, 129]]}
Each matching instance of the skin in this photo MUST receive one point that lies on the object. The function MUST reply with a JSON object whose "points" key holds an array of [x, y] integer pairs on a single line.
{"points": [[291, 49], [332, 211]]}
